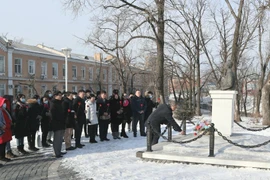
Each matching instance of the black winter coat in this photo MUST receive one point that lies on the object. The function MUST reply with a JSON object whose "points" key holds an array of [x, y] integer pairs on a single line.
{"points": [[138, 104], [34, 110], [102, 107], [163, 115], [79, 108], [127, 110], [22, 128], [57, 113], [68, 113], [150, 105], [116, 105]]}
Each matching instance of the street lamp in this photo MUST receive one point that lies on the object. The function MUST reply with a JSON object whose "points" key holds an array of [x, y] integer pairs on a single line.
{"points": [[66, 52]]}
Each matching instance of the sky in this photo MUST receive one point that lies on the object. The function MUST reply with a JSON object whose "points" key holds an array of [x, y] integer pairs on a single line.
{"points": [[44, 21]]}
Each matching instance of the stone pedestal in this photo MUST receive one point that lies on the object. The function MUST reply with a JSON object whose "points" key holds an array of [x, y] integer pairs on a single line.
{"points": [[223, 110]]}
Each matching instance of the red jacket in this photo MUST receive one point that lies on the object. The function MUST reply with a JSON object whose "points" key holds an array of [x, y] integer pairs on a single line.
{"points": [[7, 136]]}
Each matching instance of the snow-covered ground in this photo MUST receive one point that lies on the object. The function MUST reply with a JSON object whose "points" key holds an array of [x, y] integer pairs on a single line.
{"points": [[117, 160]]}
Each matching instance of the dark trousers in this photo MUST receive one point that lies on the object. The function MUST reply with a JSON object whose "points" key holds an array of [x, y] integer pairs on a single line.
{"points": [[57, 141], [85, 127], [115, 127], [92, 131], [138, 118], [31, 139], [3, 150], [155, 136], [103, 129], [78, 133], [45, 130]]}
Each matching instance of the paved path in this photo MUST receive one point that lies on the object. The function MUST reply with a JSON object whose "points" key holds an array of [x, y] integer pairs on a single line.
{"points": [[40, 165]]}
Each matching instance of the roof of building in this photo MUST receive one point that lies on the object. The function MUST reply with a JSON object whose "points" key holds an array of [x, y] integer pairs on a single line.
{"points": [[31, 48]]}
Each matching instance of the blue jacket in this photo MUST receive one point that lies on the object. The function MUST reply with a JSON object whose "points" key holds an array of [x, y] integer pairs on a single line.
{"points": [[2, 122], [138, 104]]}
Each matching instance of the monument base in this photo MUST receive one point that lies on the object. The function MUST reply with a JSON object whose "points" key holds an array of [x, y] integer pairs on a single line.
{"points": [[223, 110]]}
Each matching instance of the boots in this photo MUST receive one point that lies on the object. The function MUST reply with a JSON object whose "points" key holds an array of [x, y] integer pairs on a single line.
{"points": [[21, 150], [123, 134], [9, 154], [115, 135]]}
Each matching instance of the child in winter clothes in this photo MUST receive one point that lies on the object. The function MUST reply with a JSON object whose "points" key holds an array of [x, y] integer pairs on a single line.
{"points": [[91, 117]]}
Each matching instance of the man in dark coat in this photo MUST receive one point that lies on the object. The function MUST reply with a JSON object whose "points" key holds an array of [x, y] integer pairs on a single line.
{"points": [[80, 118], [162, 115], [138, 105], [103, 108], [69, 119], [58, 123]]}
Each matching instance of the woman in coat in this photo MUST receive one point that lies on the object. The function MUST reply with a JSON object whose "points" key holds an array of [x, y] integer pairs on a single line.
{"points": [[116, 115], [21, 123], [91, 117], [6, 128]]}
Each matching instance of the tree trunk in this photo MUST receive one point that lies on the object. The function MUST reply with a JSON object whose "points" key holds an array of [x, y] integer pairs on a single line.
{"points": [[160, 51], [198, 84], [235, 55], [266, 104]]}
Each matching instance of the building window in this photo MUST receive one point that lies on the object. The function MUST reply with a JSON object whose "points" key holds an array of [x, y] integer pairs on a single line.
{"points": [[64, 70], [74, 88], [17, 89], [113, 75], [43, 89], [44, 69], [91, 73], [2, 64], [31, 67], [54, 89], [74, 71], [2, 89], [55, 69], [83, 72], [18, 66], [97, 73], [104, 74]]}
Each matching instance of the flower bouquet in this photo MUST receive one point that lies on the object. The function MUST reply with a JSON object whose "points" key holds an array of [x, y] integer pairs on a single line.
{"points": [[201, 125]]}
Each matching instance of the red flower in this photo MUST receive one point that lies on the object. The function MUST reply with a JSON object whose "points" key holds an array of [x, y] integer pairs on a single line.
{"points": [[69, 110], [195, 134], [141, 105], [79, 103], [120, 102], [108, 104], [100, 105]]}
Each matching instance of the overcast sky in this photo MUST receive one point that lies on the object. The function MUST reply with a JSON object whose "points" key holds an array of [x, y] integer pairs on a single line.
{"points": [[44, 21]]}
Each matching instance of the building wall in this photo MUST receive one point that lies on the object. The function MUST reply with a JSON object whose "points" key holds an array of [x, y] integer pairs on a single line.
{"points": [[3, 77]]}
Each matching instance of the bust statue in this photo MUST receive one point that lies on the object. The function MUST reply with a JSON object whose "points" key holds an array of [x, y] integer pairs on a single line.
{"points": [[228, 81]]}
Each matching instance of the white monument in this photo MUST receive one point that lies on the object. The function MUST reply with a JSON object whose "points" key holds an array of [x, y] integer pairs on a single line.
{"points": [[223, 110]]}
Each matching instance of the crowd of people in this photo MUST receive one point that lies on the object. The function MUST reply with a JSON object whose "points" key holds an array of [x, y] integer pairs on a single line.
{"points": [[63, 116]]}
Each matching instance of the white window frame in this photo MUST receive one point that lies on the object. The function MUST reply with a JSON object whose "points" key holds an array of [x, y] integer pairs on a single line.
{"points": [[33, 66], [3, 72], [15, 65], [2, 89], [83, 72], [44, 67], [91, 73], [55, 65], [74, 68]]}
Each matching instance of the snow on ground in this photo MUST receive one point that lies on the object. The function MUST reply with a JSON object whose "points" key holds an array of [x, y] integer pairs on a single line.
{"points": [[116, 160]]}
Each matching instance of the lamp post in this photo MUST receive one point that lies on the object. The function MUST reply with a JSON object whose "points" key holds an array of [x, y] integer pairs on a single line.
{"points": [[66, 52]]}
